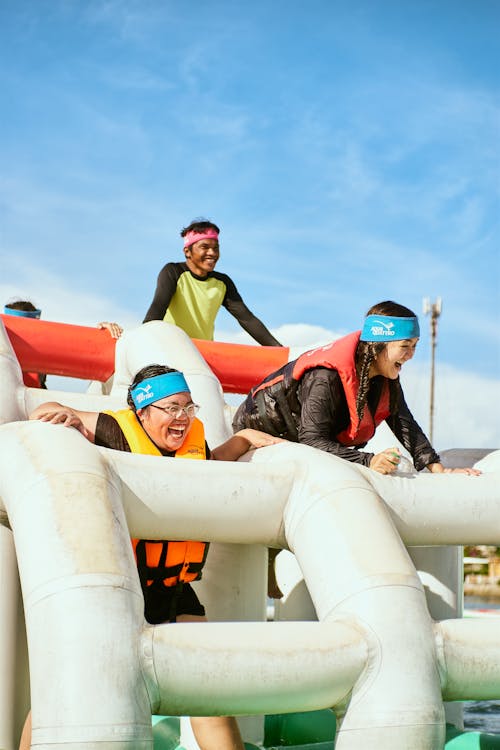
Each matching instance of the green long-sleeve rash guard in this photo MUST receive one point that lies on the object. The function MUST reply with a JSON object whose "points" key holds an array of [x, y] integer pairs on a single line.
{"points": [[192, 303]]}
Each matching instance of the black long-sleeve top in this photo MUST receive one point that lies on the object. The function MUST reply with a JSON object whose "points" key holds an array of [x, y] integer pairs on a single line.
{"points": [[324, 414], [192, 303], [317, 407]]}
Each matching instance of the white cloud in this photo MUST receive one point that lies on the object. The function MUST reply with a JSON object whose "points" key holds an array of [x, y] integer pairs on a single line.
{"points": [[466, 415], [293, 335]]}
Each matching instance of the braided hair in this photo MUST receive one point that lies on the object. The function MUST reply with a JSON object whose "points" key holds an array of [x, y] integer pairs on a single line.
{"points": [[368, 351]]}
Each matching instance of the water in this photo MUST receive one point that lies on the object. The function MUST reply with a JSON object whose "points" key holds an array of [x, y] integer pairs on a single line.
{"points": [[482, 716], [481, 602]]}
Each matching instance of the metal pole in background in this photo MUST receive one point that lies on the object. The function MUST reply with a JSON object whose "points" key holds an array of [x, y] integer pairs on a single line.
{"points": [[434, 309]]}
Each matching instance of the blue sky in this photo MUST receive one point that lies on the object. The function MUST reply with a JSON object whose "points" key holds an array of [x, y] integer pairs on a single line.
{"points": [[348, 150]]}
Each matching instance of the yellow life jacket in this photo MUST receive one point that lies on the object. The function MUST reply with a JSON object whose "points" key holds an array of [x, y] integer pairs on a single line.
{"points": [[159, 560]]}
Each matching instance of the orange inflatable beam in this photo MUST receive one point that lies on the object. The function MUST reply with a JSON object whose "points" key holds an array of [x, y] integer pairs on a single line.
{"points": [[241, 366], [89, 353], [60, 348]]}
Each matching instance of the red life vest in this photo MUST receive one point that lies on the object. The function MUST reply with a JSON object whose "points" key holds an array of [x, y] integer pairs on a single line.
{"points": [[340, 356], [170, 562]]}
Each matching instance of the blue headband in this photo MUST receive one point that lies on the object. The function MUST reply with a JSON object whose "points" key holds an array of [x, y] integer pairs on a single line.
{"points": [[160, 386], [22, 313], [389, 328]]}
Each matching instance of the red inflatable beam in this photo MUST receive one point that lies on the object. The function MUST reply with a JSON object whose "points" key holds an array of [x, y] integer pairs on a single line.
{"points": [[89, 353], [241, 366], [61, 349]]}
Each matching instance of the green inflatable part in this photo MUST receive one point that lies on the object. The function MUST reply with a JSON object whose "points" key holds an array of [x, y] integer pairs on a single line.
{"points": [[304, 729], [311, 730], [166, 732], [457, 740]]}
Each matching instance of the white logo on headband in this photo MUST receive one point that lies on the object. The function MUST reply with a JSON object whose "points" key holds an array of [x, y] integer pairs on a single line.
{"points": [[382, 329], [146, 393]]}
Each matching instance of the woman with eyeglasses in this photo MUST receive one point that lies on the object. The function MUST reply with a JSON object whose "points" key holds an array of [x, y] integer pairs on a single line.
{"points": [[161, 420]]}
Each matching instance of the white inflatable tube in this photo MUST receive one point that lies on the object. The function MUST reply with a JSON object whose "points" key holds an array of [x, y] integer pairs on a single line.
{"points": [[215, 506], [9, 602], [84, 607], [162, 343], [469, 659], [243, 668], [444, 508], [13, 389], [81, 593], [368, 576]]}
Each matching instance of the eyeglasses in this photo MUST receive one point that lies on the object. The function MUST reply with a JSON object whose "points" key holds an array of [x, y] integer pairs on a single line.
{"points": [[176, 412]]}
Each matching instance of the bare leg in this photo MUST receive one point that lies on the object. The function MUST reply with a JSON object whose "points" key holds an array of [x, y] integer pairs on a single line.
{"points": [[217, 733], [25, 741], [214, 732]]}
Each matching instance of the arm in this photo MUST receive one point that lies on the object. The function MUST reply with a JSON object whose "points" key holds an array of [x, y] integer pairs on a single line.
{"points": [[165, 290], [410, 434], [247, 320], [55, 413], [324, 414], [241, 442]]}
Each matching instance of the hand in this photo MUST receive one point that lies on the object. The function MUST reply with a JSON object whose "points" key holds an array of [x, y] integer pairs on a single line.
{"points": [[258, 439], [386, 462], [438, 468], [61, 415], [466, 470], [114, 329]]}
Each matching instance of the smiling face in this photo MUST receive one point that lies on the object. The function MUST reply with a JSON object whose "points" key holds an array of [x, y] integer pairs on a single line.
{"points": [[391, 359], [167, 432], [202, 256]]}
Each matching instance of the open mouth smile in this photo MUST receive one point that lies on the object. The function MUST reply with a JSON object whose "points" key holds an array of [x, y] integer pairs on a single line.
{"points": [[177, 432]]}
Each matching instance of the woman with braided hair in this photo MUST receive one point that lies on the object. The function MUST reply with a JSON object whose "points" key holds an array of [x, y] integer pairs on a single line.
{"points": [[334, 397]]}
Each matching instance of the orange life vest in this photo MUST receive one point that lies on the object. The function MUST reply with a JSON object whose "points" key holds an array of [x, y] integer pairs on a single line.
{"points": [[339, 355], [159, 560]]}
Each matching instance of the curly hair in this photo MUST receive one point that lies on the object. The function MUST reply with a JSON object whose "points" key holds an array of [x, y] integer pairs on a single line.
{"points": [[150, 371], [368, 351], [199, 225]]}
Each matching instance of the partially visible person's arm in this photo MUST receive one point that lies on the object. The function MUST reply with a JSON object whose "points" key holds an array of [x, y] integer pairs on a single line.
{"points": [[241, 442], [165, 290], [247, 320], [55, 413], [411, 435]]}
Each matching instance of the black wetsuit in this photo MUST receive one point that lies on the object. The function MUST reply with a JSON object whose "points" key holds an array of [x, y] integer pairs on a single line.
{"points": [[192, 303]]}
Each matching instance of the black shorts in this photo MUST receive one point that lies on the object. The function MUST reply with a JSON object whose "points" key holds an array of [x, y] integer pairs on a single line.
{"points": [[165, 603]]}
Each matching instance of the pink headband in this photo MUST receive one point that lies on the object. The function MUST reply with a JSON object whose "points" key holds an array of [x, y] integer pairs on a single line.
{"points": [[192, 237]]}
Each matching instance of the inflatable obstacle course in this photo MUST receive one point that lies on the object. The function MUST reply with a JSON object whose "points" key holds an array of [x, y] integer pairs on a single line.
{"points": [[388, 675]]}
